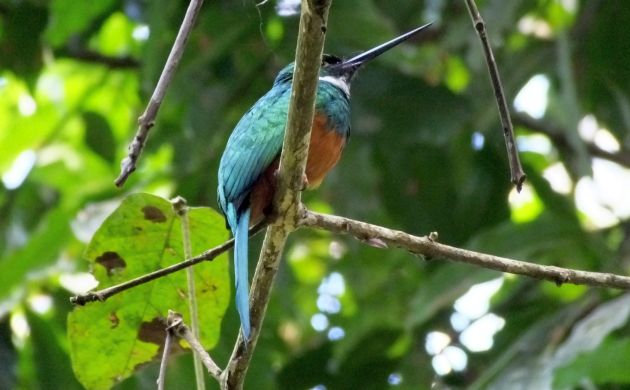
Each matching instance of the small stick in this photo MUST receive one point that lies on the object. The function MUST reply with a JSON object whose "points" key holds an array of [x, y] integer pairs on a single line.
{"points": [[167, 350], [181, 209], [178, 327], [517, 176], [147, 119]]}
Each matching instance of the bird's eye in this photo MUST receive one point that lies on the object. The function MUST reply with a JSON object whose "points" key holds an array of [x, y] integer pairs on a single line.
{"points": [[329, 59]]}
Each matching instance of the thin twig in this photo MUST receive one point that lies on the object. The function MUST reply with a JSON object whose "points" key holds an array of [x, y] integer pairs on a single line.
{"points": [[287, 199], [94, 57], [168, 342], [181, 209], [209, 255], [176, 323], [428, 247], [517, 176], [147, 119]]}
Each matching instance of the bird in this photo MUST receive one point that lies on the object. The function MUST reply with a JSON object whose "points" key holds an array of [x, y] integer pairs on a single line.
{"points": [[247, 169]]}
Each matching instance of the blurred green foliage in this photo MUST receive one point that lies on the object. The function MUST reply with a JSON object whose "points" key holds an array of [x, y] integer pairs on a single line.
{"points": [[426, 154]]}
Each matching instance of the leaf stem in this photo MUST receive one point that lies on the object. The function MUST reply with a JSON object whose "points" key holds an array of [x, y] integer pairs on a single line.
{"points": [[181, 209]]}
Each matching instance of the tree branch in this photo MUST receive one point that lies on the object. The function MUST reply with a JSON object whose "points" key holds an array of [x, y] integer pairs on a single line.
{"points": [[168, 342], [209, 255], [313, 19], [181, 209], [428, 247], [147, 119], [559, 138], [90, 56], [516, 170], [176, 324]]}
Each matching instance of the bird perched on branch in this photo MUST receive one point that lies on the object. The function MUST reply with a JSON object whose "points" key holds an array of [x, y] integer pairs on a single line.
{"points": [[250, 160]]}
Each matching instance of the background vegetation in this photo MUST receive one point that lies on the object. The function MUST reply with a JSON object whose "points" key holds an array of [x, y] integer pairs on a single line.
{"points": [[426, 154]]}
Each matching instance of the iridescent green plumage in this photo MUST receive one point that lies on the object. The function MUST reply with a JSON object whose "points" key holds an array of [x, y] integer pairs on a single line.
{"points": [[253, 146], [256, 143]]}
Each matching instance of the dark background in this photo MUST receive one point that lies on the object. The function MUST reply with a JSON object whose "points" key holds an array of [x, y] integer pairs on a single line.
{"points": [[426, 154]]}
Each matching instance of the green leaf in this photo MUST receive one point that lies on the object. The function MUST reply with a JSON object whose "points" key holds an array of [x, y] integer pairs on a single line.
{"points": [[534, 358], [602, 58], [608, 363], [20, 47], [99, 136], [115, 38], [68, 17], [42, 249], [109, 340], [50, 354]]}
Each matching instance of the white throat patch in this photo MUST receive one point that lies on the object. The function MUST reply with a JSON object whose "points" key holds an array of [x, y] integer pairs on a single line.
{"points": [[337, 82]]}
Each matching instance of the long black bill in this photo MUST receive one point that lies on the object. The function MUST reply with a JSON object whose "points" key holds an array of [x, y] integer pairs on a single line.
{"points": [[352, 64]]}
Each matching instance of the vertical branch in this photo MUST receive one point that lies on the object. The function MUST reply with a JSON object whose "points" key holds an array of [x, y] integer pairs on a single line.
{"points": [[517, 176], [168, 342], [147, 119], [313, 19], [179, 204]]}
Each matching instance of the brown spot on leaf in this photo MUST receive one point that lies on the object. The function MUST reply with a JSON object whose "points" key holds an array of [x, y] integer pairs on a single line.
{"points": [[153, 331], [111, 261], [153, 214], [113, 318]]}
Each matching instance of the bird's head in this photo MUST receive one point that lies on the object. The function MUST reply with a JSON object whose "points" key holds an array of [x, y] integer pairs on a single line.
{"points": [[339, 71]]}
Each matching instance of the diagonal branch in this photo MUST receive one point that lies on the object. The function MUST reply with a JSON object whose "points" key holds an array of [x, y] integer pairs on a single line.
{"points": [[516, 170], [176, 325], [209, 255], [559, 138], [94, 57], [147, 119], [428, 247], [313, 19]]}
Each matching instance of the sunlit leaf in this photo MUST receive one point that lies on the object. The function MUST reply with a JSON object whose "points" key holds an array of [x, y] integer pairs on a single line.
{"points": [[111, 339]]}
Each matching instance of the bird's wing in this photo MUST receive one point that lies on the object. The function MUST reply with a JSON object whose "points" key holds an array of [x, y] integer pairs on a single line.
{"points": [[253, 146]]}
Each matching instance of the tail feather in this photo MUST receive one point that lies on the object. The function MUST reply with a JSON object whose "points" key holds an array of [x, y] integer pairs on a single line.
{"points": [[240, 227]]}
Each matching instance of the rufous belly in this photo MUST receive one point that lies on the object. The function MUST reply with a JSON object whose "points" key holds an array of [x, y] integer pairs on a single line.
{"points": [[323, 154]]}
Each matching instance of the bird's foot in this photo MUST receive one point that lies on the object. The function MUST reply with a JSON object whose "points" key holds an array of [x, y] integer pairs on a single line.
{"points": [[304, 182]]}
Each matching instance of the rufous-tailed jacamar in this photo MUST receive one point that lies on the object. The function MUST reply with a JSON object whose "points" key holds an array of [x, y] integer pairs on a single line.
{"points": [[250, 159]]}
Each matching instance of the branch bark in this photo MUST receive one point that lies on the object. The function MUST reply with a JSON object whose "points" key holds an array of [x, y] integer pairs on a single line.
{"points": [[176, 324], [517, 176], [287, 200], [168, 342], [147, 119], [209, 255], [429, 248]]}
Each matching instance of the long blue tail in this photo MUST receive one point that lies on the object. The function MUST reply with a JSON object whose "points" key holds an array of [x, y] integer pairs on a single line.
{"points": [[240, 227]]}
